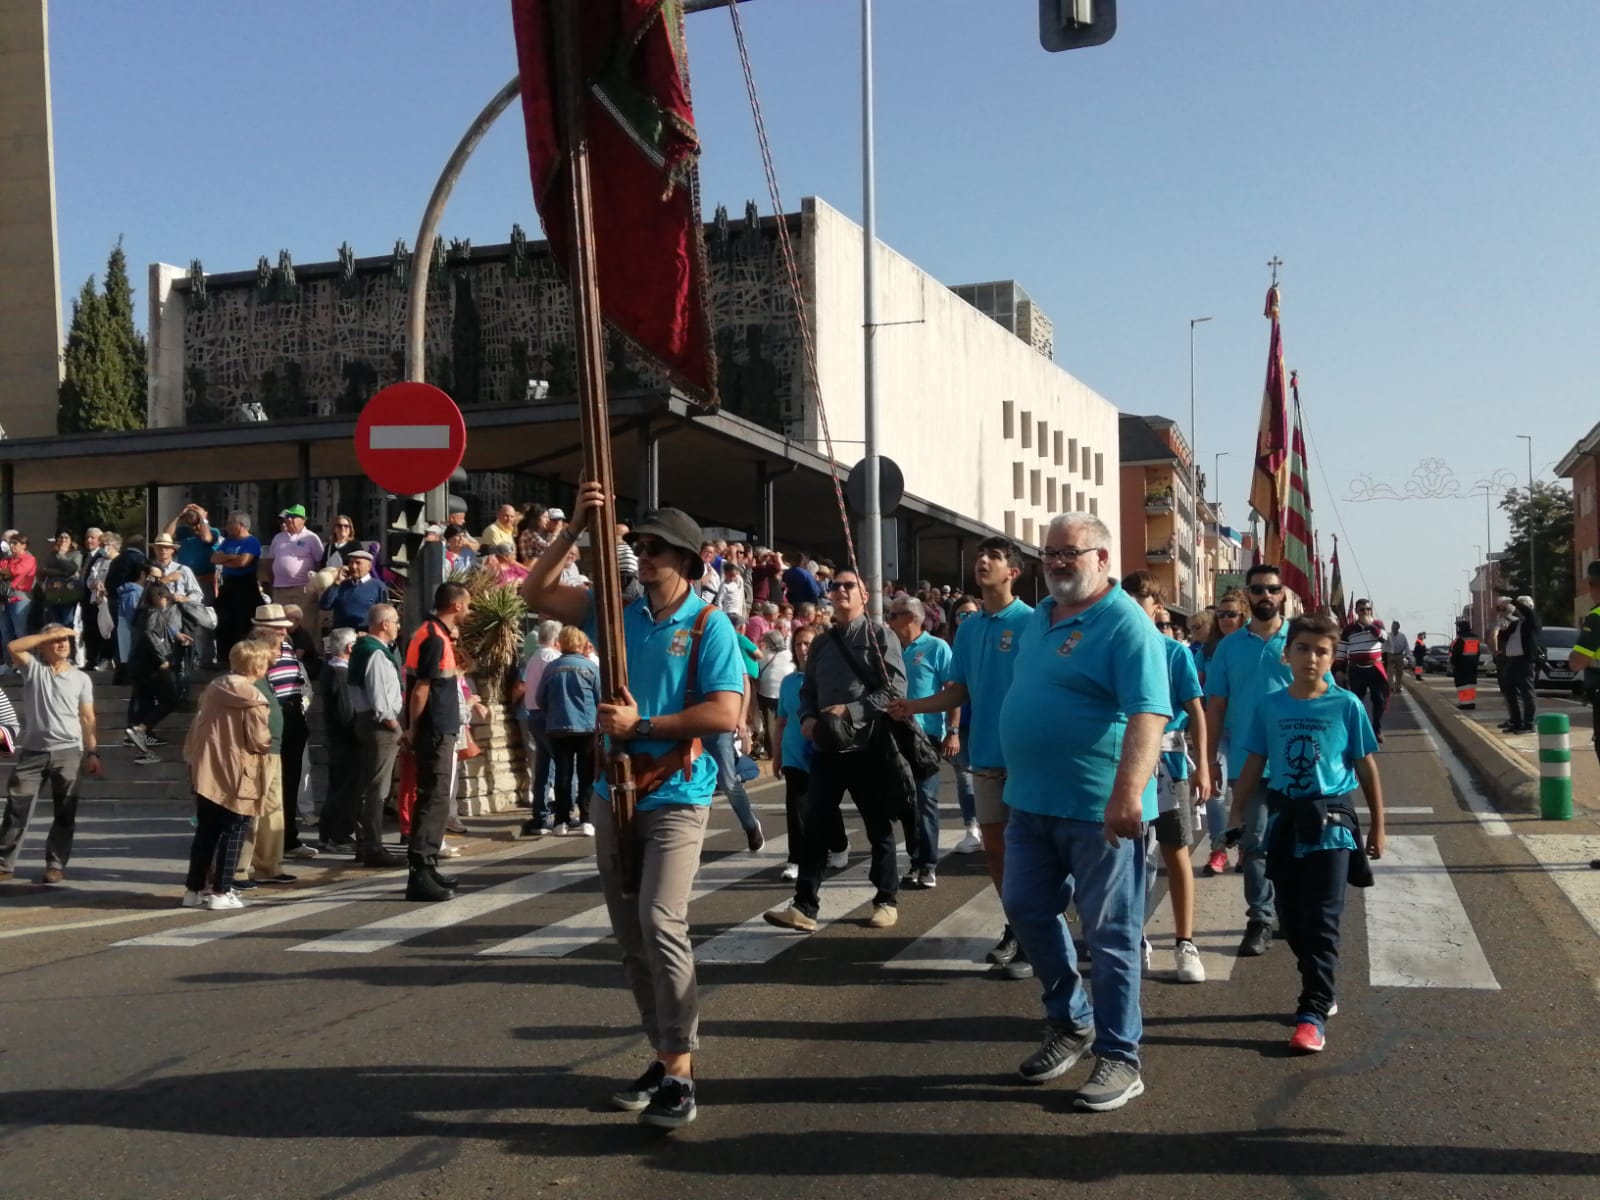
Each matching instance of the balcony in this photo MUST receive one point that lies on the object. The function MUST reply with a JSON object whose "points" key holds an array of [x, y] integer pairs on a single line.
{"points": [[1159, 554], [1158, 501]]}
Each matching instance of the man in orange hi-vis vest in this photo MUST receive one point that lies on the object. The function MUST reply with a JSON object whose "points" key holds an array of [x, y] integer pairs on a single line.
{"points": [[1464, 663]]}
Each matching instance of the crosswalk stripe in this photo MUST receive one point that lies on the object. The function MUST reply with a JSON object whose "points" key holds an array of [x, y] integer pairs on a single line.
{"points": [[960, 941], [403, 927], [573, 933], [1566, 859], [256, 919], [1418, 931], [755, 941], [1219, 920]]}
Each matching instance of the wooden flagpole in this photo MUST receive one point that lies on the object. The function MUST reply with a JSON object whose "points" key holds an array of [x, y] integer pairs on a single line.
{"points": [[594, 418]]}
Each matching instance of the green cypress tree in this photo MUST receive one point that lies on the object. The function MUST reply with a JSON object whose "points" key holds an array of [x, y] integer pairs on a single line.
{"points": [[102, 388]]}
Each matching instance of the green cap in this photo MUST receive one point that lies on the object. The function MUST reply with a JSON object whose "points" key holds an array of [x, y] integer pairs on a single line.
{"points": [[294, 510]]}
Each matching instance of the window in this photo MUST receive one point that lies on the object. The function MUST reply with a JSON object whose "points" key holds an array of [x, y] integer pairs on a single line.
{"points": [[1027, 531], [1027, 429], [1017, 471], [1084, 460], [1011, 524], [1078, 507], [1033, 488], [1050, 491], [1044, 438], [1072, 454], [1008, 419], [1099, 470], [1094, 506], [1061, 440]]}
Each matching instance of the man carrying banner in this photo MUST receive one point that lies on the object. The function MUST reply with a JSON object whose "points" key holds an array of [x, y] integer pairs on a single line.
{"points": [[686, 684]]}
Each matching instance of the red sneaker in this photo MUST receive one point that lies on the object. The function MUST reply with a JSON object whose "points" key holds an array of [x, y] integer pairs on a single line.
{"points": [[1307, 1039], [1217, 864]]}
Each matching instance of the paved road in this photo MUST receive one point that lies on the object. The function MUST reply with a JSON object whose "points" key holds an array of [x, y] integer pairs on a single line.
{"points": [[341, 1043]]}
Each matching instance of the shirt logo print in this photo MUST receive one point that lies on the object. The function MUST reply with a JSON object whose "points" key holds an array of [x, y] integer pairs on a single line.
{"points": [[1071, 643], [680, 643], [1005, 641]]}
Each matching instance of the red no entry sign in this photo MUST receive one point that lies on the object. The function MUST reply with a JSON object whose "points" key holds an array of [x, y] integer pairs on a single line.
{"points": [[410, 437]]}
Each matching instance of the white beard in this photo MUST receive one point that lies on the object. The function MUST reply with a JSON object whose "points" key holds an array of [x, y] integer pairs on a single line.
{"points": [[1073, 590]]}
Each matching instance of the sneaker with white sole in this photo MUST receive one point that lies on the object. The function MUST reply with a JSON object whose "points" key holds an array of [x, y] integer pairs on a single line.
{"points": [[790, 871], [1190, 968], [449, 850], [135, 737], [1061, 1048], [1146, 952], [221, 900], [790, 918], [1111, 1084], [587, 829], [883, 916], [144, 758], [300, 851], [971, 843], [839, 859], [193, 899]]}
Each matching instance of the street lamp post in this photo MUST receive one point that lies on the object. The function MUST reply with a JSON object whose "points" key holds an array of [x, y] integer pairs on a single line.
{"points": [[1528, 437], [1216, 486], [1194, 458]]}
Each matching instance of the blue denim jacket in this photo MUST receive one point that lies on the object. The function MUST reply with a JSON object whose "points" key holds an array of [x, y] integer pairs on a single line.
{"points": [[569, 694]]}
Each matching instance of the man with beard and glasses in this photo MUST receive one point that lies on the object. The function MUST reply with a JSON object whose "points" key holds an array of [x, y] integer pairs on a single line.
{"points": [[1081, 733], [1247, 667]]}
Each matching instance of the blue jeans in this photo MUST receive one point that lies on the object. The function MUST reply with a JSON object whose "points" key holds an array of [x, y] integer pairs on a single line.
{"points": [[543, 772], [720, 747], [966, 797], [1052, 863], [17, 619], [1259, 900], [924, 849]]}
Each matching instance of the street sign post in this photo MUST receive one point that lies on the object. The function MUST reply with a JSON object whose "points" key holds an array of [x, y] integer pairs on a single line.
{"points": [[410, 438]]}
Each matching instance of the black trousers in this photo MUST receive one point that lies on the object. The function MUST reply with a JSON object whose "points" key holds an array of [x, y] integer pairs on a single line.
{"points": [[862, 774], [155, 697], [435, 759], [1310, 894], [236, 608], [574, 756], [1516, 671], [796, 784], [214, 853], [1370, 682], [339, 802], [295, 736]]}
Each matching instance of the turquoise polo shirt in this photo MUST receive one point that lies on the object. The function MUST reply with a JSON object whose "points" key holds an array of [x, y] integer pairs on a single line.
{"points": [[797, 750], [1244, 670], [1184, 683], [1312, 747], [1076, 684], [658, 668], [927, 661], [984, 656]]}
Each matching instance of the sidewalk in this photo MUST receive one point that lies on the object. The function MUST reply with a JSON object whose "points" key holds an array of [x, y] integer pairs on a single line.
{"points": [[1508, 764]]}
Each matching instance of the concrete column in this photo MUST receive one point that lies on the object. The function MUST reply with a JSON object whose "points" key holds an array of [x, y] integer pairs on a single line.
{"points": [[766, 493], [30, 288], [649, 469], [164, 341]]}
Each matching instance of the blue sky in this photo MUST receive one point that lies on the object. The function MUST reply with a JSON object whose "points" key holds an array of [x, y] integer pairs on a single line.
{"points": [[1427, 171]]}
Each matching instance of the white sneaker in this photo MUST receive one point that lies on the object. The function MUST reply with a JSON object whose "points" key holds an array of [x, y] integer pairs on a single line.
{"points": [[1146, 951], [972, 843], [839, 858], [219, 900], [449, 850], [790, 871], [194, 899], [588, 829], [145, 758], [1190, 968], [301, 851], [136, 736]]}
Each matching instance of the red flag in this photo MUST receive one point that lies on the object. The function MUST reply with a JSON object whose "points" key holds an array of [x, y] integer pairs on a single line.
{"points": [[1336, 590], [643, 154], [1295, 562], [1269, 485]]}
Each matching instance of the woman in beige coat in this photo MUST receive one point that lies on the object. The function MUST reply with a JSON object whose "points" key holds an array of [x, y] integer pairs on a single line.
{"points": [[227, 755]]}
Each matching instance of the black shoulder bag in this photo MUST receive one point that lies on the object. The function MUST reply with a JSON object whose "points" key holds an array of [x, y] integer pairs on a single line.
{"points": [[907, 737]]}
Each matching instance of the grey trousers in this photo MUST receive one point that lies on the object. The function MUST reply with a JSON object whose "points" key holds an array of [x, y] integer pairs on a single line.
{"points": [[33, 767], [380, 748], [653, 927]]}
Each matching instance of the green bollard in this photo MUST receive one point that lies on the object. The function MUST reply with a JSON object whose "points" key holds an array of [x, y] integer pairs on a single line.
{"points": [[1555, 767]]}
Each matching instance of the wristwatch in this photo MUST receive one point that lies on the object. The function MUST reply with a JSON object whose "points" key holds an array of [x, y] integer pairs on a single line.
{"points": [[642, 731]]}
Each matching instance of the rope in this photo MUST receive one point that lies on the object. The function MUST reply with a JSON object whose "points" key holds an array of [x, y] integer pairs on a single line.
{"points": [[792, 272]]}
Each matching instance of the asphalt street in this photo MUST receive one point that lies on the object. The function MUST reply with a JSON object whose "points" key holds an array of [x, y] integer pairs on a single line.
{"points": [[338, 1042]]}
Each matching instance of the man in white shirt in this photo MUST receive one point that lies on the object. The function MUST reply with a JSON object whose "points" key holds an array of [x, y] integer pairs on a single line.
{"points": [[732, 599], [295, 553], [542, 821]]}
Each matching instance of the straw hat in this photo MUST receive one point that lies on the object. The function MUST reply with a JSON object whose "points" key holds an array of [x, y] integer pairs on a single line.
{"points": [[272, 616]]}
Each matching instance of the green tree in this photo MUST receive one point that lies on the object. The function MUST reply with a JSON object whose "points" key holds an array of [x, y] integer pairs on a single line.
{"points": [[102, 387], [1545, 515]]}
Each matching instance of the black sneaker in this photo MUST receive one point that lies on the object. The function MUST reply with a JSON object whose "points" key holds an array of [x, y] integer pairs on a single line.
{"points": [[423, 886], [672, 1107], [639, 1093], [1004, 950], [1257, 939], [1019, 967], [151, 739], [1060, 1049]]}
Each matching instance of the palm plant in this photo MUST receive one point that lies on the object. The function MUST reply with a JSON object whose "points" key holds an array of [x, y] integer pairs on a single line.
{"points": [[492, 632]]}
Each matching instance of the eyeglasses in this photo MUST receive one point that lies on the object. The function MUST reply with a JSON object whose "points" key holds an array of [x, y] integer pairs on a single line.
{"points": [[342, 525], [842, 585], [1265, 589], [1067, 553], [1227, 614], [650, 547], [1163, 624], [1363, 610]]}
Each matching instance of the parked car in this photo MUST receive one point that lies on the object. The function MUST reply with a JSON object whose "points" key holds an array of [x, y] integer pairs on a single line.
{"points": [[1437, 660], [1554, 673]]}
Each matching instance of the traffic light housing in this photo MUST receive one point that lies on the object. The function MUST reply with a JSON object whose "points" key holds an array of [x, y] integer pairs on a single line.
{"points": [[404, 529], [1074, 24], [454, 504]]}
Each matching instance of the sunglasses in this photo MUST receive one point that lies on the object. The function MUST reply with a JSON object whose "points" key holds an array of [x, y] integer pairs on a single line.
{"points": [[1265, 589], [964, 614], [650, 547], [842, 585]]}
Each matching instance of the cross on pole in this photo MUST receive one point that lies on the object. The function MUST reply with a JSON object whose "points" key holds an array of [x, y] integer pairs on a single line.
{"points": [[1275, 262]]}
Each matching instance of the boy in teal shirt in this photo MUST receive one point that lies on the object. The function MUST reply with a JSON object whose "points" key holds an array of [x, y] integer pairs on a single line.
{"points": [[1319, 746]]}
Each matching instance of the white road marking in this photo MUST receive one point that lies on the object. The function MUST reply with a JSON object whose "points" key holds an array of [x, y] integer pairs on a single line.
{"points": [[960, 941], [757, 942], [1418, 931], [592, 925], [1566, 858], [1477, 803], [408, 437], [1219, 920]]}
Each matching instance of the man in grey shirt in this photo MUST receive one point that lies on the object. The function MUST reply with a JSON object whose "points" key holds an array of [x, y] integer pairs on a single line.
{"points": [[373, 676], [854, 672], [58, 737]]}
